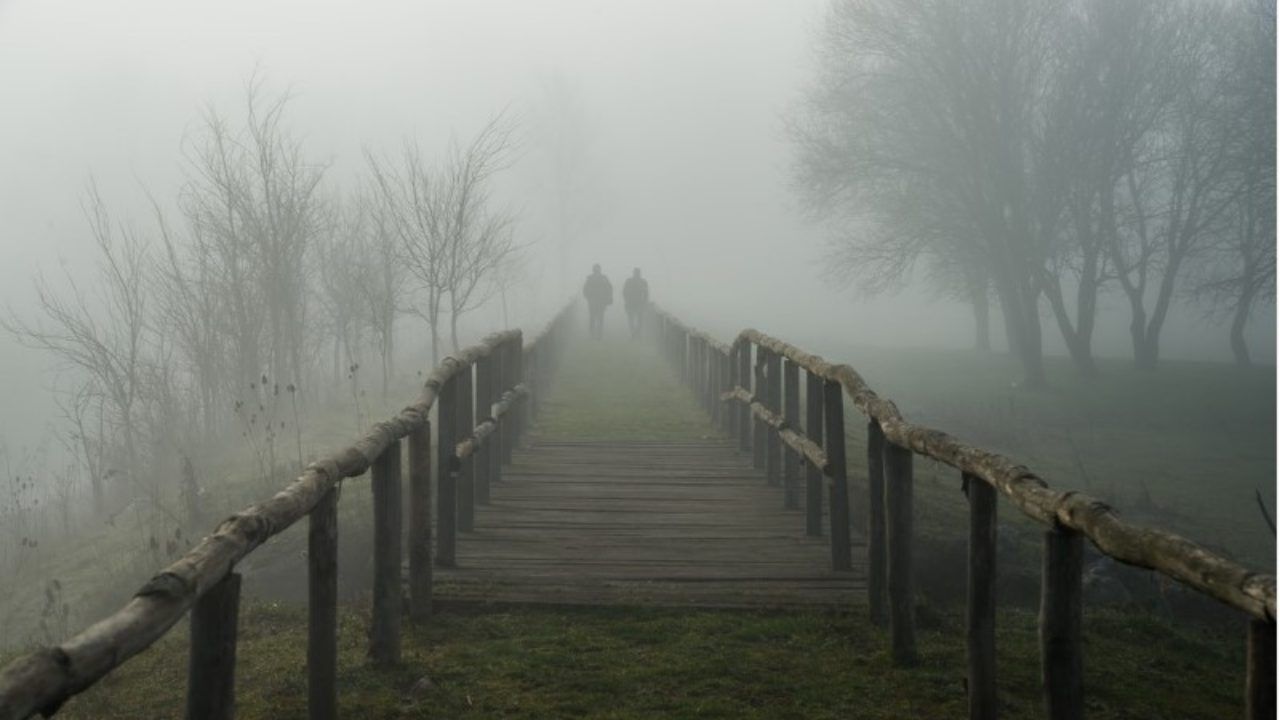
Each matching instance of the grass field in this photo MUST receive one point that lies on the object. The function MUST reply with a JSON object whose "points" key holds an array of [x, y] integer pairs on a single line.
{"points": [[649, 663]]}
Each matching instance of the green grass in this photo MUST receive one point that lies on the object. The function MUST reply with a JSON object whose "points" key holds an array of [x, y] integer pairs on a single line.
{"points": [[645, 663], [615, 389]]}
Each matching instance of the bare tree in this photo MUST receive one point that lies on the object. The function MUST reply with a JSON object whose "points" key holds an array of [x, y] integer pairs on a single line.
{"points": [[382, 286], [101, 334], [1241, 271], [920, 129], [1180, 186], [451, 237]]}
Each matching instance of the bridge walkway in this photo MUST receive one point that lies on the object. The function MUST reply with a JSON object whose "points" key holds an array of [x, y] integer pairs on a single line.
{"points": [[625, 494]]}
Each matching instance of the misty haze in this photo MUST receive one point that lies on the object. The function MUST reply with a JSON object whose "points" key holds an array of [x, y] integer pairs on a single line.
{"points": [[833, 358]]}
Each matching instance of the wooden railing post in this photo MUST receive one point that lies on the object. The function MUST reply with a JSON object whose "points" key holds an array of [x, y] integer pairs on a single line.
{"points": [[482, 473], [877, 555], [1061, 600], [510, 377], [981, 636], [517, 377], [1260, 670], [773, 401], [791, 413], [211, 668], [322, 609], [833, 409], [744, 412], [465, 402], [759, 436], [384, 635], [420, 575], [898, 495], [813, 474], [446, 481], [726, 414]]}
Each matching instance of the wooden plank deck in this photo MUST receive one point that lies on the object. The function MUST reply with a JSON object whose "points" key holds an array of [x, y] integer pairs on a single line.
{"points": [[665, 523]]}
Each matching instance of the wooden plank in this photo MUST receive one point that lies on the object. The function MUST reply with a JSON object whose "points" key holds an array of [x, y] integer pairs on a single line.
{"points": [[981, 611], [813, 483], [384, 632], [791, 412], [1061, 601], [877, 555], [420, 577], [1260, 670], [899, 513], [464, 401], [833, 411], [447, 489], [211, 669], [322, 609]]}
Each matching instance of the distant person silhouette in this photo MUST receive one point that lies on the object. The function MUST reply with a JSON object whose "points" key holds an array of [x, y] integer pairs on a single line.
{"points": [[635, 298], [599, 294]]}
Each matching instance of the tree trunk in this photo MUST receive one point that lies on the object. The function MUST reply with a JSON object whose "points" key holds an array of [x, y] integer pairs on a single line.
{"points": [[1239, 349]]}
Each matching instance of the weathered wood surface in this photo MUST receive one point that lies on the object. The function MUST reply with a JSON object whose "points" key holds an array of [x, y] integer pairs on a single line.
{"points": [[654, 523]]}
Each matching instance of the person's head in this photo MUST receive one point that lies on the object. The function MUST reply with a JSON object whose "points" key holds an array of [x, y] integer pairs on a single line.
{"points": [[635, 273], [596, 268]]}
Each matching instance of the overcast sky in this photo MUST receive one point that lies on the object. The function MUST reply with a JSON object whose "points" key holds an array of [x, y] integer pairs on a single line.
{"points": [[684, 103]]}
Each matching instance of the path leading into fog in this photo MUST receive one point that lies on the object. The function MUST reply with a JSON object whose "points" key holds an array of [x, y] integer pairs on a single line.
{"points": [[625, 494]]}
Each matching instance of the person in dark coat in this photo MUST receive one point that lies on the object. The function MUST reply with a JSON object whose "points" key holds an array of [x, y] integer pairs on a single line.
{"points": [[635, 298], [599, 294]]}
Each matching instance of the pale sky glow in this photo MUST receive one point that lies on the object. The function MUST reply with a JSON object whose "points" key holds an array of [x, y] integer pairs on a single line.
{"points": [[685, 101]]}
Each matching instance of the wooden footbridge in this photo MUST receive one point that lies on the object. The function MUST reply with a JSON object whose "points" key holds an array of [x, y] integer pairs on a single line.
{"points": [[752, 509]]}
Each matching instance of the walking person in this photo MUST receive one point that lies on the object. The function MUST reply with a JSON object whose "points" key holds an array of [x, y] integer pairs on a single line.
{"points": [[635, 299], [599, 294]]}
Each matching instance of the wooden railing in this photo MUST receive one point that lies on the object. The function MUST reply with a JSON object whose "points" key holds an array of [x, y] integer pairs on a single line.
{"points": [[502, 378], [751, 389]]}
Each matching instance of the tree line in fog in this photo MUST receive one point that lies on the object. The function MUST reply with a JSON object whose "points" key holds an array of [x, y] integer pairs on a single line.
{"points": [[1044, 154]]}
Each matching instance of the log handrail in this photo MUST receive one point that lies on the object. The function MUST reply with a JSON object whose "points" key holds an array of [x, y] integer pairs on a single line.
{"points": [[41, 681], [1170, 554]]}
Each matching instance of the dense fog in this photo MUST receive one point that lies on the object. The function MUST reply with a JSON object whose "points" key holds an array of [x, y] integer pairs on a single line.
{"points": [[722, 148]]}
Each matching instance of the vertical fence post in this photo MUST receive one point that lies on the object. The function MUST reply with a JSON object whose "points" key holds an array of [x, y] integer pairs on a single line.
{"points": [[322, 609], [833, 409], [812, 474], [791, 412], [899, 494], [981, 636], [759, 439], [727, 416], [744, 411], [211, 668], [466, 468], [517, 377], [1260, 670], [420, 575], [384, 635], [510, 377], [481, 473], [877, 557], [1061, 598], [773, 401], [446, 482], [493, 444]]}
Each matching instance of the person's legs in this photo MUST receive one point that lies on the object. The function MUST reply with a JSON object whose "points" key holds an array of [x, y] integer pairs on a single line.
{"points": [[597, 322]]}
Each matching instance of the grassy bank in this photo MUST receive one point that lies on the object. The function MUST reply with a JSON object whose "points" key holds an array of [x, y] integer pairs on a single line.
{"points": [[644, 663]]}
